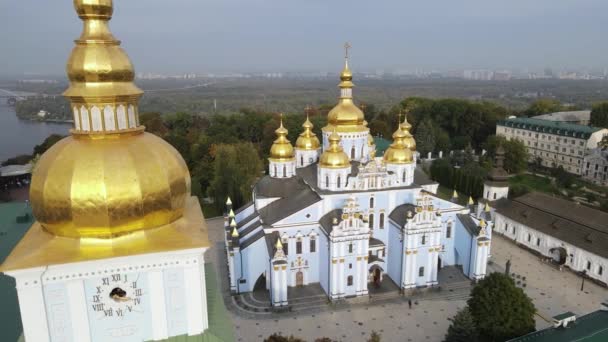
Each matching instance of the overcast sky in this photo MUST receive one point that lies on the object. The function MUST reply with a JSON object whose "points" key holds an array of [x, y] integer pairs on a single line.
{"points": [[307, 35]]}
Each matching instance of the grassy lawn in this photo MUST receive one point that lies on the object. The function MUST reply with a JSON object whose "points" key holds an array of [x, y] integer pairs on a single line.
{"points": [[532, 182]]}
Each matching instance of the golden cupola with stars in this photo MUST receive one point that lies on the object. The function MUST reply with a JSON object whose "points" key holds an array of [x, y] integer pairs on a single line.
{"points": [[109, 177], [281, 149], [346, 117], [398, 152], [334, 157], [308, 140]]}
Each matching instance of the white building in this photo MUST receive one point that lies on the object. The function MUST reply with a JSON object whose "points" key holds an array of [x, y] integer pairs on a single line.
{"points": [[347, 218], [595, 167], [570, 234], [555, 143]]}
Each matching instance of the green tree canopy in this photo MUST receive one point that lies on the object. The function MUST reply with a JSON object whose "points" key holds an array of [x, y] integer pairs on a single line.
{"points": [[235, 169], [462, 328], [425, 138], [544, 106], [516, 153], [599, 115], [500, 309]]}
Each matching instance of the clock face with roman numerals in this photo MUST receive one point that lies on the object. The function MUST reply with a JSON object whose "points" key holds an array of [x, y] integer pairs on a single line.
{"points": [[117, 296]]}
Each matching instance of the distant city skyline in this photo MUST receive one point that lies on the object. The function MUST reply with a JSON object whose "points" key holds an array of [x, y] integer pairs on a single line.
{"points": [[189, 36]]}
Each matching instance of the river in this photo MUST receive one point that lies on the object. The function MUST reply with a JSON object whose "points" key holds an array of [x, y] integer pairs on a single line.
{"points": [[20, 136]]}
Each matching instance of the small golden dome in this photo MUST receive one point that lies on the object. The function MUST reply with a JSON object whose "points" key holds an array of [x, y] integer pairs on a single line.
{"points": [[334, 157], [281, 149], [409, 140], [88, 186], [370, 140], [307, 139], [398, 152]]}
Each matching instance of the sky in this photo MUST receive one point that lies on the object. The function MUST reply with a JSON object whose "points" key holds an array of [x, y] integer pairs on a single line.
{"points": [[176, 36]]}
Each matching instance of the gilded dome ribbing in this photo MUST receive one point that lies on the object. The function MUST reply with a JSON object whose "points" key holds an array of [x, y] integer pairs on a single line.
{"points": [[334, 157], [281, 149], [307, 139], [109, 178]]}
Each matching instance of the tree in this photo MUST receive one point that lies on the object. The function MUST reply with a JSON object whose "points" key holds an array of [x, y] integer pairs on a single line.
{"points": [[544, 106], [599, 115], [47, 143], [462, 328], [374, 337], [235, 169], [425, 140], [500, 309], [603, 144], [516, 153], [154, 123], [277, 337]]}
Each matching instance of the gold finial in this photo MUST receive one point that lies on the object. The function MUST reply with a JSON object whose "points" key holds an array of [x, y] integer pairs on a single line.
{"points": [[487, 207], [279, 244], [482, 223], [471, 202], [231, 214], [233, 223], [454, 194], [228, 201], [235, 233]]}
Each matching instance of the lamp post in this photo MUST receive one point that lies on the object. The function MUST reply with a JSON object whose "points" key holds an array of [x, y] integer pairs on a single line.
{"points": [[583, 274]]}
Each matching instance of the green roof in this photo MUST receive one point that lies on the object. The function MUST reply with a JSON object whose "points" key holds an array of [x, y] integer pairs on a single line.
{"points": [[381, 146], [592, 327], [10, 233], [551, 127]]}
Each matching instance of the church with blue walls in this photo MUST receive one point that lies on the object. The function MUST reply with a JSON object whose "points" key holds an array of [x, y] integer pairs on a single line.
{"points": [[330, 211]]}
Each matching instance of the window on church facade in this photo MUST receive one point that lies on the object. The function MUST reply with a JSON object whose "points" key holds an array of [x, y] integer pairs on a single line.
{"points": [[421, 272], [538, 241], [327, 181], [529, 237], [350, 248], [371, 221], [350, 266], [403, 177], [301, 160], [299, 247], [588, 265], [448, 230], [339, 181], [349, 281], [600, 270], [313, 245], [285, 246], [284, 171], [371, 202], [381, 223], [423, 239], [352, 153]]}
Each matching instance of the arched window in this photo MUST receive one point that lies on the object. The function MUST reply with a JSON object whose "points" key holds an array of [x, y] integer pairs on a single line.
{"points": [[301, 160], [349, 281], [327, 181], [423, 239], [350, 248], [352, 153], [284, 171], [421, 272], [299, 246], [275, 171], [371, 221], [381, 223], [494, 195], [338, 182], [285, 246], [448, 230], [313, 245], [403, 177], [600, 270], [371, 202]]}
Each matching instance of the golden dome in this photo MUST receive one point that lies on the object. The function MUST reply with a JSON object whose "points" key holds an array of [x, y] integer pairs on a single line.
{"points": [[370, 140], [106, 181], [281, 149], [98, 66], [107, 186], [345, 116], [398, 152], [307, 139], [409, 140], [334, 157]]}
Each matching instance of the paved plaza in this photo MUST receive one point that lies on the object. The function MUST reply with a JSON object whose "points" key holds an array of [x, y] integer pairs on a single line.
{"points": [[552, 291]]}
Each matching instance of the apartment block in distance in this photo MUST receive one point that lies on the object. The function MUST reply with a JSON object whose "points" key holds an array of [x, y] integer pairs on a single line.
{"points": [[555, 143]]}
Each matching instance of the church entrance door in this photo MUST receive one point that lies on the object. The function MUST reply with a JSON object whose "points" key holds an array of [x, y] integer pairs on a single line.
{"points": [[377, 277], [299, 278]]}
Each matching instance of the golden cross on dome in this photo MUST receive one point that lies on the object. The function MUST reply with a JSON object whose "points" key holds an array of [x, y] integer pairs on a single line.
{"points": [[399, 117], [346, 47]]}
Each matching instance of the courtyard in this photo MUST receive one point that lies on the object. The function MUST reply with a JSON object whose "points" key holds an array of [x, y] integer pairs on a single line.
{"points": [[551, 290]]}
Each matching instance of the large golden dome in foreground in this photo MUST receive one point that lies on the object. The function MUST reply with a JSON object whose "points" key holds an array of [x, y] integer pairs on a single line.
{"points": [[90, 187], [346, 116]]}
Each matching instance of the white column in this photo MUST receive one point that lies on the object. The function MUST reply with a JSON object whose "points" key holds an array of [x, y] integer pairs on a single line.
{"points": [[78, 310], [341, 279], [283, 285], [31, 306], [276, 295], [157, 305], [231, 270], [194, 303]]}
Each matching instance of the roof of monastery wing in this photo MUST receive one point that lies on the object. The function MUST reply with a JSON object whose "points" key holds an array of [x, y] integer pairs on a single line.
{"points": [[326, 220], [278, 187], [469, 224], [399, 214], [580, 226], [255, 237], [298, 199], [373, 242]]}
